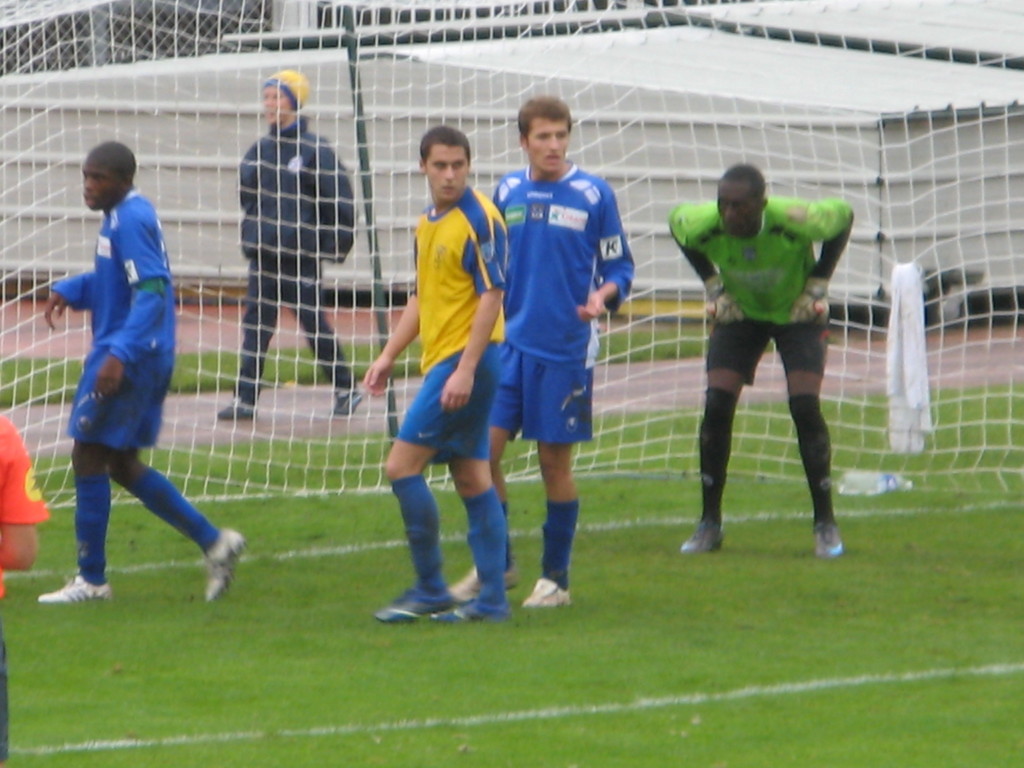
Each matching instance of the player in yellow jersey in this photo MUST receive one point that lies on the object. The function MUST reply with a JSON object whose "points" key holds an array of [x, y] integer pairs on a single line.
{"points": [[461, 255]]}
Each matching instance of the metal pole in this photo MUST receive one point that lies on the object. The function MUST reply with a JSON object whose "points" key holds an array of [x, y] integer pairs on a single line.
{"points": [[380, 300]]}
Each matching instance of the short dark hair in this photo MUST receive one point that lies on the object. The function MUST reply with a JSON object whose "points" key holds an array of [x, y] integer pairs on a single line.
{"points": [[114, 157], [444, 135], [547, 107], [749, 175]]}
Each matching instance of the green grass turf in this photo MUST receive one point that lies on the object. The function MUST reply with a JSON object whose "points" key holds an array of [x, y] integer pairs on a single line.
{"points": [[907, 651]]}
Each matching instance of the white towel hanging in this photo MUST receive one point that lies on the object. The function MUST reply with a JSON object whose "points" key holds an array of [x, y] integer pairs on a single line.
{"points": [[907, 362]]}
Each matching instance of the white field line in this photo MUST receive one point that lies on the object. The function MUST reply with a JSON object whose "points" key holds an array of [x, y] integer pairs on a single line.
{"points": [[683, 524], [548, 713]]}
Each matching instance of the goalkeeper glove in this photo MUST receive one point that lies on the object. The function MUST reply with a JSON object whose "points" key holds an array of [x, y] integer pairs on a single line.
{"points": [[811, 306], [721, 307]]}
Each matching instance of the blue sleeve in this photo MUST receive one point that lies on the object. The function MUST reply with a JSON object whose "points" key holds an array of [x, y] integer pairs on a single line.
{"points": [[248, 181], [248, 198], [145, 319], [140, 243], [486, 257], [615, 259], [334, 205], [76, 290], [486, 264]]}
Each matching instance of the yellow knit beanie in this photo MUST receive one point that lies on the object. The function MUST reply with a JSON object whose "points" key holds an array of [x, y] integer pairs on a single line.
{"points": [[293, 84]]}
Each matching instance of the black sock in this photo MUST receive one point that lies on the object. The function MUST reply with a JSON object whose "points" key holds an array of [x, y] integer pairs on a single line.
{"points": [[815, 451], [715, 445]]}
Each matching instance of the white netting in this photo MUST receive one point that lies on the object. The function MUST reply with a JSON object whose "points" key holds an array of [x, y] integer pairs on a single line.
{"points": [[828, 98]]}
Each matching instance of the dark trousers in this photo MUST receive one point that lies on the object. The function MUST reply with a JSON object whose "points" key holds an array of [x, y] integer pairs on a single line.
{"points": [[292, 282]]}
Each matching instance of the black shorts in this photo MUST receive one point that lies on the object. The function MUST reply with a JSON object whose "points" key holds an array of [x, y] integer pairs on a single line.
{"points": [[739, 346]]}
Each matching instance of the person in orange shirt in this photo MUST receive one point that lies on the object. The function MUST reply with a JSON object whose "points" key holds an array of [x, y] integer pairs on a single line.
{"points": [[21, 508]]}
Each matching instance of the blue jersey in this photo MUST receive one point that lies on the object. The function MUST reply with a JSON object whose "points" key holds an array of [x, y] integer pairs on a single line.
{"points": [[131, 324], [565, 240]]}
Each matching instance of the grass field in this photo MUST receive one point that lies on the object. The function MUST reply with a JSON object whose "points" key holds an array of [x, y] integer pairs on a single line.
{"points": [[905, 652]]}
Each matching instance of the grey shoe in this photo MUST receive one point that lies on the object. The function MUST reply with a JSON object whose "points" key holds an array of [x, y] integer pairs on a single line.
{"points": [[412, 605], [237, 411], [827, 542], [346, 402], [707, 538]]}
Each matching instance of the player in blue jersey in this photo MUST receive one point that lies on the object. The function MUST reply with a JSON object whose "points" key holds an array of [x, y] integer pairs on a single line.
{"points": [[569, 263], [461, 253], [119, 401]]}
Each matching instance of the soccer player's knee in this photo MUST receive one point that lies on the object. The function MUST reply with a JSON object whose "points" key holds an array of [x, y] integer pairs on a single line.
{"points": [[719, 407], [806, 410], [810, 424]]}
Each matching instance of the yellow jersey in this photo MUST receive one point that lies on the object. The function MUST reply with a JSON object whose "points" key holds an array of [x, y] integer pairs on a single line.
{"points": [[460, 253]]}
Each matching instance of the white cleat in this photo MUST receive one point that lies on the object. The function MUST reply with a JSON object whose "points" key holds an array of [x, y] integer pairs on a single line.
{"points": [[78, 590], [469, 587], [547, 594], [221, 560]]}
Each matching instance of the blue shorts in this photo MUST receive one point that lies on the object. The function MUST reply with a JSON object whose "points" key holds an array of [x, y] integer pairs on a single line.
{"points": [[548, 402], [132, 417], [454, 434]]}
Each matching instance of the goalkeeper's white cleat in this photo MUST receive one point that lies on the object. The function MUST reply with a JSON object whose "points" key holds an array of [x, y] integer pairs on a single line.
{"points": [[468, 587], [221, 560], [78, 590], [547, 594]]}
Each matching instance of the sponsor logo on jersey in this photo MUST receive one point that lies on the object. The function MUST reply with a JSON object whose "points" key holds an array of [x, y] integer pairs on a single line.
{"points": [[572, 218], [131, 272], [611, 248], [515, 214], [535, 195], [487, 251], [103, 247], [537, 211], [295, 164]]}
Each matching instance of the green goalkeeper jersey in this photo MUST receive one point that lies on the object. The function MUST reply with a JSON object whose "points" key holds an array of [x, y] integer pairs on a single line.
{"points": [[766, 273]]}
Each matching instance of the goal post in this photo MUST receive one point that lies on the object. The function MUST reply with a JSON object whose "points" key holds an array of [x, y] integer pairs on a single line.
{"points": [[665, 96]]}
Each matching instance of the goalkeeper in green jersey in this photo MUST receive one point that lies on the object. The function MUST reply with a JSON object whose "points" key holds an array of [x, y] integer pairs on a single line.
{"points": [[755, 255]]}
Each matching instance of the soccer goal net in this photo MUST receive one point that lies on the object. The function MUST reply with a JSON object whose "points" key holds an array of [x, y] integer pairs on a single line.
{"points": [[910, 111]]}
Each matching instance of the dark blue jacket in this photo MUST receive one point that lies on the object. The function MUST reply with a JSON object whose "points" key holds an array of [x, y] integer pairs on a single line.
{"points": [[296, 197]]}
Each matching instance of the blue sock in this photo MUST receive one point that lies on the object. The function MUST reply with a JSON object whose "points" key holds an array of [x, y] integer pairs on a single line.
{"points": [[165, 501], [488, 535], [92, 514], [423, 532], [559, 531]]}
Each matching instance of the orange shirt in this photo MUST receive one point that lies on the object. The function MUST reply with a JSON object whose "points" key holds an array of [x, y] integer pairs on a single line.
{"points": [[21, 502]]}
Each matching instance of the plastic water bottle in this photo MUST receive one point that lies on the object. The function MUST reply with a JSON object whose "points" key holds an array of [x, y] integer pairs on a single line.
{"points": [[872, 483]]}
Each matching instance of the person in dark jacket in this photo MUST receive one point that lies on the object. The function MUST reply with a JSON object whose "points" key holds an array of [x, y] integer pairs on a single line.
{"points": [[297, 212]]}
